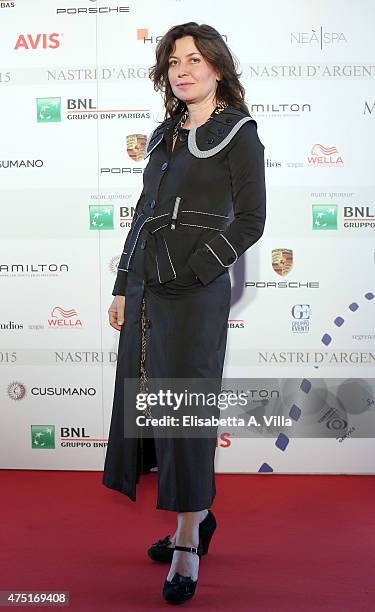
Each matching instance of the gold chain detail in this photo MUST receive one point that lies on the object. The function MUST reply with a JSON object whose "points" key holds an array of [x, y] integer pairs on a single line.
{"points": [[143, 387], [219, 108]]}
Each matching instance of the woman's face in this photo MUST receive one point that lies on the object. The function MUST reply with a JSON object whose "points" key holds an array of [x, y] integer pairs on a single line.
{"points": [[191, 77]]}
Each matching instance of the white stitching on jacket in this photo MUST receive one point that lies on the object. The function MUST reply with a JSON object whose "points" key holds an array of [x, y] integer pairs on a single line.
{"points": [[218, 258], [157, 265], [156, 259], [174, 271], [201, 212], [147, 153], [193, 225], [235, 252], [192, 142], [136, 240], [158, 228]]}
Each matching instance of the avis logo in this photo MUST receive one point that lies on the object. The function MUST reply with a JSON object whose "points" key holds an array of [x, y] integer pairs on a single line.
{"points": [[63, 318], [39, 41], [324, 156]]}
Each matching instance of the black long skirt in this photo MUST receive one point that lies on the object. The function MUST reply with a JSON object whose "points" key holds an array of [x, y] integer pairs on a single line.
{"points": [[168, 335]]}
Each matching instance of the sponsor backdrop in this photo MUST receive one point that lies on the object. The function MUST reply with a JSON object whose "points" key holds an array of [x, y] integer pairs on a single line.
{"points": [[76, 108]]}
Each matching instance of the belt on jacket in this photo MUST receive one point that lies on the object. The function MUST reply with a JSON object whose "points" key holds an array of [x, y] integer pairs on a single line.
{"points": [[190, 218]]}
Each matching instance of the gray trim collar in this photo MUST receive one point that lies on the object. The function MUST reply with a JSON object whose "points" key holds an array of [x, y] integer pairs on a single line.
{"points": [[192, 140]]}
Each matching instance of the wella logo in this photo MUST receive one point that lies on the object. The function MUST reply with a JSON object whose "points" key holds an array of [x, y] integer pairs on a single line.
{"points": [[64, 318], [324, 156], [38, 41]]}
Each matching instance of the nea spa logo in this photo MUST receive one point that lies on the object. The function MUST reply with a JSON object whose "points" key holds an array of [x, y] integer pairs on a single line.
{"points": [[31, 42]]}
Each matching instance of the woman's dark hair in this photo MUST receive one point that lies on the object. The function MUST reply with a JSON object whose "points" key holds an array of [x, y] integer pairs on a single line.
{"points": [[215, 51]]}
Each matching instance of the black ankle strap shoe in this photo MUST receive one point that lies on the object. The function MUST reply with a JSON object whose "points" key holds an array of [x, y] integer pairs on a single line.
{"points": [[162, 552], [180, 588]]}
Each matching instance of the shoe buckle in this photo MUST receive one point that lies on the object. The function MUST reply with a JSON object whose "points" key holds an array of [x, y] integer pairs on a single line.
{"points": [[191, 549]]}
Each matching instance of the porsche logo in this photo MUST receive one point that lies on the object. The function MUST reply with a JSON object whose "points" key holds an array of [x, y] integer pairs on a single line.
{"points": [[135, 146], [282, 261]]}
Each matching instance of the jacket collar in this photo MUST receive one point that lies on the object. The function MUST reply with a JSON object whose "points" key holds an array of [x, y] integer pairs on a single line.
{"points": [[219, 128], [208, 135]]}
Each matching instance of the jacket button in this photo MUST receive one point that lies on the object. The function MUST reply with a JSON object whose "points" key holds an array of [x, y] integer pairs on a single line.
{"points": [[210, 140], [148, 323], [143, 244], [153, 204], [229, 120], [164, 166]]}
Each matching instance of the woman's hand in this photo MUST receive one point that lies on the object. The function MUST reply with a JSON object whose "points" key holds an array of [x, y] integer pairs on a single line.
{"points": [[116, 312]]}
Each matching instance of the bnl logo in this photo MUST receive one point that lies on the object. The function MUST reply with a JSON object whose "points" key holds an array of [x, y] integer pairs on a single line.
{"points": [[48, 110], [324, 217], [43, 436]]}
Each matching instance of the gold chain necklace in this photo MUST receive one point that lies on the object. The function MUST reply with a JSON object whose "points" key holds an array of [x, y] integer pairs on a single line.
{"points": [[219, 108]]}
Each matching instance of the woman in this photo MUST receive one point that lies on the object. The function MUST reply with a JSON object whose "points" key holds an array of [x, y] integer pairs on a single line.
{"points": [[173, 289]]}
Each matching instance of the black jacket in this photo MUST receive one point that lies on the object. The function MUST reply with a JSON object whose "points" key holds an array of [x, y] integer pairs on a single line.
{"points": [[182, 231]]}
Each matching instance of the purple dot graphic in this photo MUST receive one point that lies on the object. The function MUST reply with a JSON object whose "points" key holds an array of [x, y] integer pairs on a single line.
{"points": [[305, 385], [282, 441], [265, 467], [295, 412]]}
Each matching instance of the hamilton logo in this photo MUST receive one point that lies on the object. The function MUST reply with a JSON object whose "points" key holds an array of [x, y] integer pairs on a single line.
{"points": [[282, 261], [135, 146]]}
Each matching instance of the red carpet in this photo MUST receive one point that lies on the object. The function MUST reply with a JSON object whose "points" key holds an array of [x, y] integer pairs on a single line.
{"points": [[283, 542]]}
